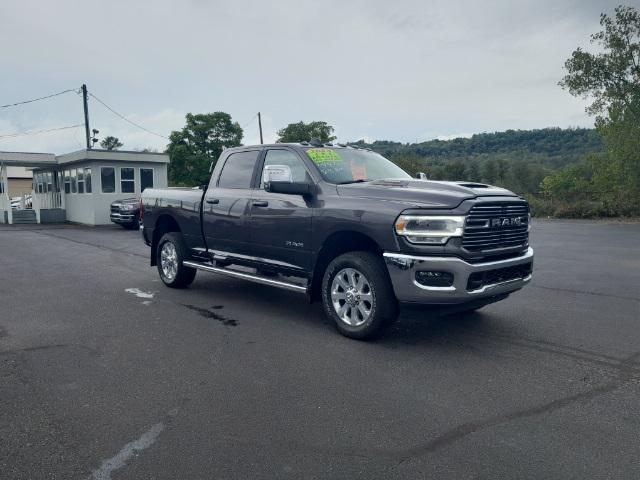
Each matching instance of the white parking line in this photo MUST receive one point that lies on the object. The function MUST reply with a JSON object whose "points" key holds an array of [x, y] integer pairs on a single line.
{"points": [[139, 293], [147, 439]]}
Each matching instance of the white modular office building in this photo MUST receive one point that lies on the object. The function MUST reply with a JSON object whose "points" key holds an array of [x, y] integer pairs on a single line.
{"points": [[79, 186]]}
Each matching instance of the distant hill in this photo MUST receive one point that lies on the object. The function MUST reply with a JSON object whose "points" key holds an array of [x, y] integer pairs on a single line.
{"points": [[551, 147], [516, 159]]}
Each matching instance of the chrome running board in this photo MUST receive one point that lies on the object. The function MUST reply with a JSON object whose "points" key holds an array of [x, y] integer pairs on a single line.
{"points": [[252, 277]]}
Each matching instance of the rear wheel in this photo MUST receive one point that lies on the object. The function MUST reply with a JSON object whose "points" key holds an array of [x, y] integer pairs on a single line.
{"points": [[357, 295], [170, 255]]}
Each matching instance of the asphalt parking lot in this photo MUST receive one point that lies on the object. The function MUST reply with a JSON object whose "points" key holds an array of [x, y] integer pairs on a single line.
{"points": [[105, 373]]}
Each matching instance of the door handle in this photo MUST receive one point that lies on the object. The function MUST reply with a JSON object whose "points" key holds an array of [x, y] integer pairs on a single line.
{"points": [[260, 203], [212, 201]]}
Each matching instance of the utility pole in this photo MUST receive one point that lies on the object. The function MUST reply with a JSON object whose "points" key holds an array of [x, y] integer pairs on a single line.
{"points": [[260, 127], [86, 116]]}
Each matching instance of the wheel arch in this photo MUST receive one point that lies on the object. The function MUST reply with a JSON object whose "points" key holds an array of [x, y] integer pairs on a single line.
{"points": [[334, 245], [164, 224]]}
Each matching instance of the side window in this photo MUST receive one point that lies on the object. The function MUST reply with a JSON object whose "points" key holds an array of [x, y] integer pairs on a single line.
{"points": [[238, 170], [80, 180], [146, 178], [87, 179], [286, 157], [108, 179], [74, 183], [127, 180], [67, 182]]}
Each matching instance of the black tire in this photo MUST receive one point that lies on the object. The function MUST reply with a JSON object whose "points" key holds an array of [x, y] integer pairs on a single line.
{"points": [[383, 306], [183, 276]]}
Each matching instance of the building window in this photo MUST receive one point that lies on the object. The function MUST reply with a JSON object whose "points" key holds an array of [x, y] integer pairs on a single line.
{"points": [[67, 182], [80, 180], [127, 180], [49, 181], [87, 179], [146, 178], [108, 179], [74, 181]]}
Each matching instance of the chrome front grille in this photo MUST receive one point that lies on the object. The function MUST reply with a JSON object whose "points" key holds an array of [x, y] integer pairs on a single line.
{"points": [[494, 226]]}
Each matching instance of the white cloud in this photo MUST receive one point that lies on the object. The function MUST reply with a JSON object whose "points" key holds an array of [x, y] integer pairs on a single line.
{"points": [[391, 70]]}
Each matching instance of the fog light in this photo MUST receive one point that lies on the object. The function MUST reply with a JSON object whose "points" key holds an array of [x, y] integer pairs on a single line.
{"points": [[434, 279]]}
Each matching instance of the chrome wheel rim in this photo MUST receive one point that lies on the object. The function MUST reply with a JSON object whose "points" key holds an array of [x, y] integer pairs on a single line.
{"points": [[169, 261], [352, 297]]}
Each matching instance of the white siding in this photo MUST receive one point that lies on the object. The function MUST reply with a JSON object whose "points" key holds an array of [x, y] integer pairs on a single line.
{"points": [[93, 208]]}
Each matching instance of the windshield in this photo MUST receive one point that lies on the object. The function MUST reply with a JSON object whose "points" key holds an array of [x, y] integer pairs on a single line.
{"points": [[348, 165]]}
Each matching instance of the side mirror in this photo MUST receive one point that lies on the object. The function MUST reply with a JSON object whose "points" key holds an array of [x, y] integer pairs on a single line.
{"points": [[278, 179], [292, 188], [421, 176], [276, 173]]}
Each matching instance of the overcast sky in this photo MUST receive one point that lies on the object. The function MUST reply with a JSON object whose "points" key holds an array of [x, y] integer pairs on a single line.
{"points": [[400, 70]]}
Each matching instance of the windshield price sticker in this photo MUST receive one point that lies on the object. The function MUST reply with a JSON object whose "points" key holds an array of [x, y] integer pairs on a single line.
{"points": [[323, 155]]}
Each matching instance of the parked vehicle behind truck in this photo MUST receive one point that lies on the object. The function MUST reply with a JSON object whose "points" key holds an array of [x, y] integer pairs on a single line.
{"points": [[344, 226], [126, 213]]}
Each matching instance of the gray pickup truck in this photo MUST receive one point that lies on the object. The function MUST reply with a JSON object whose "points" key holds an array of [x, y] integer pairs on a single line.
{"points": [[344, 226]]}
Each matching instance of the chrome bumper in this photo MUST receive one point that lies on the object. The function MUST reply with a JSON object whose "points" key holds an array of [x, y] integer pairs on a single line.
{"points": [[402, 271], [120, 218]]}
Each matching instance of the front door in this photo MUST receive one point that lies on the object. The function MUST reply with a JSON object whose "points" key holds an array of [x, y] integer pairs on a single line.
{"points": [[281, 223], [226, 205]]}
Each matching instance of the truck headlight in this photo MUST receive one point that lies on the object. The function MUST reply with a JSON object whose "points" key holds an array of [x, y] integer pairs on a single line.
{"points": [[431, 229], [127, 207]]}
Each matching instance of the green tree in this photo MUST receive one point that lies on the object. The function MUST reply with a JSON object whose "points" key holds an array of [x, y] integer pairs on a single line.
{"points": [[198, 144], [111, 143], [612, 76], [490, 171], [472, 172], [304, 132], [454, 171]]}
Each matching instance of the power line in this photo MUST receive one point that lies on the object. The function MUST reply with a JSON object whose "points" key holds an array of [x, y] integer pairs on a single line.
{"points": [[35, 132], [39, 98], [126, 119], [252, 119]]}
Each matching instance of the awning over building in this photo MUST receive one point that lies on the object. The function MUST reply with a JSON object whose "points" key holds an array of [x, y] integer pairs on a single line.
{"points": [[23, 159]]}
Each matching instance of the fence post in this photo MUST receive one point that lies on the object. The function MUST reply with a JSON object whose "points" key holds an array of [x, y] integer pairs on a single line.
{"points": [[35, 205]]}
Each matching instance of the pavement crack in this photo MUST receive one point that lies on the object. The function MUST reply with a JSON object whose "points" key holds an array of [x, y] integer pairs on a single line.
{"points": [[47, 347], [90, 244], [626, 374], [583, 292]]}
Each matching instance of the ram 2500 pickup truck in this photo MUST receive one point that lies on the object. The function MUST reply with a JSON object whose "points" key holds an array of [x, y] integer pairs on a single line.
{"points": [[345, 226]]}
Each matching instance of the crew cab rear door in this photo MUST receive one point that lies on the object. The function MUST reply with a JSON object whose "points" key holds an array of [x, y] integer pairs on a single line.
{"points": [[226, 206]]}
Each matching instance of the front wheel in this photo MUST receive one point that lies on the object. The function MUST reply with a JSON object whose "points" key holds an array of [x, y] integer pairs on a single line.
{"points": [[357, 295], [170, 255]]}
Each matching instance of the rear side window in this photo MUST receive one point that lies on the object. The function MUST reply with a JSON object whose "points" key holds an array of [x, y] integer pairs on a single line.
{"points": [[238, 170]]}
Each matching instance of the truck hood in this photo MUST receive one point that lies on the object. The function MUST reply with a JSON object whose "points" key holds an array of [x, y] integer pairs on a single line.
{"points": [[126, 201], [421, 193]]}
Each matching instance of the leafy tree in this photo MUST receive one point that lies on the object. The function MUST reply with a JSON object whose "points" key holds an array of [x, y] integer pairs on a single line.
{"points": [[472, 172], [111, 143], [304, 132], [612, 76], [198, 144], [490, 171]]}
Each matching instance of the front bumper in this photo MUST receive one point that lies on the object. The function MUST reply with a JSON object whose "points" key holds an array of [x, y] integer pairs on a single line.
{"points": [[403, 268], [122, 218]]}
